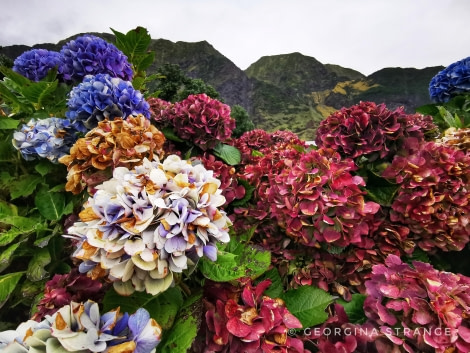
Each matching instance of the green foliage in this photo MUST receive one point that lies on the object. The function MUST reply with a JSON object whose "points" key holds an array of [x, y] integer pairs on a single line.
{"points": [[354, 308], [236, 260], [26, 98], [242, 121], [173, 85], [229, 154], [308, 304], [454, 113], [163, 307], [183, 332], [134, 44]]}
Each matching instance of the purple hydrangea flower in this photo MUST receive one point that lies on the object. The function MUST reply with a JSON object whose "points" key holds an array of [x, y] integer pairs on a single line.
{"points": [[35, 64], [102, 96], [453, 80], [49, 138], [91, 55]]}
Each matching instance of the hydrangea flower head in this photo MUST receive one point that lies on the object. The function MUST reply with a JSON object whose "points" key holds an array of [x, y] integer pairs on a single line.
{"points": [[317, 199], [61, 290], [119, 142], [34, 64], [371, 130], [49, 138], [98, 97], [146, 223], [79, 327], [452, 81], [91, 55], [429, 307], [203, 120], [433, 194], [249, 321]]}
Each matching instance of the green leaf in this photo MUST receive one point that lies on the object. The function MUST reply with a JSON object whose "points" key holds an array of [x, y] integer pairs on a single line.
{"points": [[50, 204], [24, 186], [181, 336], [382, 194], [6, 256], [163, 307], [36, 270], [354, 308], [38, 92], [239, 260], [170, 134], [8, 283], [7, 123], [308, 304], [43, 167], [276, 289], [447, 116], [25, 224], [7, 209], [229, 154], [10, 235]]}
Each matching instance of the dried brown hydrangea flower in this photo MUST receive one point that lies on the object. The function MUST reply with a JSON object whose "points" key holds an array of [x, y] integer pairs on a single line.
{"points": [[120, 142]]}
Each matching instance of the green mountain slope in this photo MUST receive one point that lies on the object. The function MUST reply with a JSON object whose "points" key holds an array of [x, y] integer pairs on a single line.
{"points": [[289, 91]]}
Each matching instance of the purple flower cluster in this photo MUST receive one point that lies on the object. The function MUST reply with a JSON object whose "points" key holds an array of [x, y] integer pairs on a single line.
{"points": [[34, 64], [91, 55], [49, 138], [453, 80], [97, 96]]}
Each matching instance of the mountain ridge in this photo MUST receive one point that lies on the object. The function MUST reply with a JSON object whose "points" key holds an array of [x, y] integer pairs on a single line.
{"points": [[285, 91]]}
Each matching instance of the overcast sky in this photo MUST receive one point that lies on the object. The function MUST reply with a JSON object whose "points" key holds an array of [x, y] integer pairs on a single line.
{"points": [[365, 35]]}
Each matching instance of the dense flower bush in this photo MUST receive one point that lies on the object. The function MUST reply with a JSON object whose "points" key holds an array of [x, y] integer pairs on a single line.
{"points": [[90, 99], [371, 130], [419, 308], [453, 80], [34, 64], [91, 55], [144, 224], [120, 142], [49, 138], [79, 327], [260, 243]]}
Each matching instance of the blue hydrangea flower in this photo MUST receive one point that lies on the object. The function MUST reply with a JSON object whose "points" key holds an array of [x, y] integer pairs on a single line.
{"points": [[49, 138], [102, 96], [453, 80], [91, 55], [35, 64]]}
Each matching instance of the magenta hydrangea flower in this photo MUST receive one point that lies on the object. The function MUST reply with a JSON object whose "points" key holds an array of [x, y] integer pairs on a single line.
{"points": [[248, 321], [318, 199], [432, 199], [419, 308], [371, 130], [203, 120], [34, 64], [91, 55], [63, 289]]}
